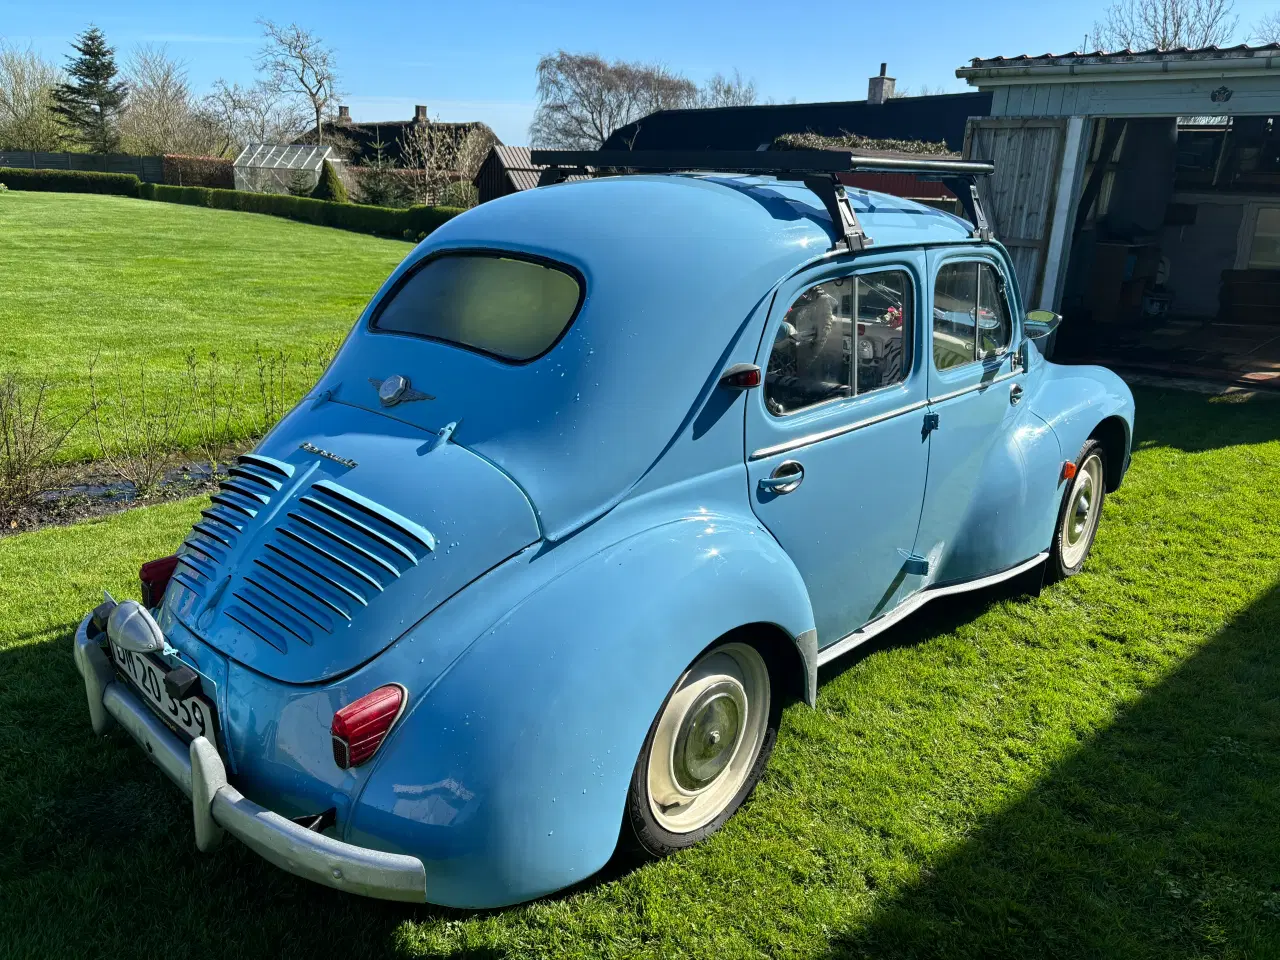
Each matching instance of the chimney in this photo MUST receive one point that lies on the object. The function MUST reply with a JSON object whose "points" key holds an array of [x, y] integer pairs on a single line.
{"points": [[344, 114], [880, 89], [420, 113]]}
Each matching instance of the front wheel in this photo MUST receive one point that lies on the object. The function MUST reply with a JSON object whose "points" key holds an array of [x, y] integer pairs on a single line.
{"points": [[1079, 514], [705, 752]]}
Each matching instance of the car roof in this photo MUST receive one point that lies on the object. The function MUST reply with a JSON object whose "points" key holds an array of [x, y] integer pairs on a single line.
{"points": [[680, 272], [771, 221]]}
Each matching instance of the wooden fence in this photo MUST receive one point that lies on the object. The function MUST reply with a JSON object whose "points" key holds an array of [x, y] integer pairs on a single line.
{"points": [[147, 169]]}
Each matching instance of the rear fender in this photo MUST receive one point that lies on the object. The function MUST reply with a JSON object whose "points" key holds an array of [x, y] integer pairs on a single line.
{"points": [[509, 777]]}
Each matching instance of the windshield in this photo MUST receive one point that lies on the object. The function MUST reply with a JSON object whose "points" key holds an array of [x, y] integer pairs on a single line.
{"points": [[509, 308]]}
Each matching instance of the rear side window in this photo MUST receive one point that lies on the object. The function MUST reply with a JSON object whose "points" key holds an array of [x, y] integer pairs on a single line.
{"points": [[841, 338], [971, 318], [509, 308]]}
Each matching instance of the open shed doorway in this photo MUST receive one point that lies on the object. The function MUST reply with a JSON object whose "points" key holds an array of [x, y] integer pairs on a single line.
{"points": [[1175, 254]]}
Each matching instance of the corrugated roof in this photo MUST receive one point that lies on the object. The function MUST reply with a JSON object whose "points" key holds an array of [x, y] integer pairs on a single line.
{"points": [[1076, 58], [522, 171]]}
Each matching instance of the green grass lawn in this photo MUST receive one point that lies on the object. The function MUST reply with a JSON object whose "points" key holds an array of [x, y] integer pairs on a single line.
{"points": [[1091, 772], [139, 281]]}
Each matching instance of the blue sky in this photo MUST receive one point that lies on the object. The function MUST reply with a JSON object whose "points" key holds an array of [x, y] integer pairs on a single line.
{"points": [[475, 61]]}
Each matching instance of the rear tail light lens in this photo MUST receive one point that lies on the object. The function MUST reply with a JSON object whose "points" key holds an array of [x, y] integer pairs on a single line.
{"points": [[155, 577], [359, 728]]}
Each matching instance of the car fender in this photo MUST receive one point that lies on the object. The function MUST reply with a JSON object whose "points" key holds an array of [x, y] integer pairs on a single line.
{"points": [[508, 778], [1074, 401]]}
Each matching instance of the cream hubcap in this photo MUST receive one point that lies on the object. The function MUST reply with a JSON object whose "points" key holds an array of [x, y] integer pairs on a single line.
{"points": [[1081, 517], [708, 737]]}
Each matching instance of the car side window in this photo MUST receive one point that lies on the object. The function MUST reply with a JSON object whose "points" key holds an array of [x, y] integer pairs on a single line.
{"points": [[834, 328], [971, 319], [995, 326]]}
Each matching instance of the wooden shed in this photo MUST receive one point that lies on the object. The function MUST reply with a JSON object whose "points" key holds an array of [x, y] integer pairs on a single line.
{"points": [[1139, 195]]}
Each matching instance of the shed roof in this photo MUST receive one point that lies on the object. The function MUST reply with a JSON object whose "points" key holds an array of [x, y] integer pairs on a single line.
{"points": [[519, 169], [941, 117], [285, 156], [1240, 58]]}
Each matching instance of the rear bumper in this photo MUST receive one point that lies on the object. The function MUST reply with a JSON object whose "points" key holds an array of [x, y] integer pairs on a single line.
{"points": [[217, 806]]}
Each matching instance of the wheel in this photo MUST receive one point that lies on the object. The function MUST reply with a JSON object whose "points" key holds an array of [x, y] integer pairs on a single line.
{"points": [[1079, 514], [705, 752]]}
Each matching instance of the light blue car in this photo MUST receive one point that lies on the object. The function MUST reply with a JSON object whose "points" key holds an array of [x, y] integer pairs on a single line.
{"points": [[605, 471]]}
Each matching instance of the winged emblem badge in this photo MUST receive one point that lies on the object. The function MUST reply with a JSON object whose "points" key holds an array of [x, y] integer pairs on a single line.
{"points": [[396, 389]]}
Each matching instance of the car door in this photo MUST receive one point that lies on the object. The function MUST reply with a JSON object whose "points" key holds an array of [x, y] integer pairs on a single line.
{"points": [[836, 460], [975, 386]]}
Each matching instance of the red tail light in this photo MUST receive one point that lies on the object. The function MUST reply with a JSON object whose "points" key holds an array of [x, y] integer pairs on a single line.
{"points": [[359, 728], [155, 576]]}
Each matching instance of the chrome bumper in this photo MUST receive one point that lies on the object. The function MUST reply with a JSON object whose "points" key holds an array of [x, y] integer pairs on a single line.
{"points": [[217, 806]]}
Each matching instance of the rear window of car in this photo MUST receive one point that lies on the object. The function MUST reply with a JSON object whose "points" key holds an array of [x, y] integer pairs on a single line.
{"points": [[507, 307]]}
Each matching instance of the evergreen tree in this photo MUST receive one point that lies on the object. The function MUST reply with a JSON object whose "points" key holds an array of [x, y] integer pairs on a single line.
{"points": [[330, 185], [93, 100]]}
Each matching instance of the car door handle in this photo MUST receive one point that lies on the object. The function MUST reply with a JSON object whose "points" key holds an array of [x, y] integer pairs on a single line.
{"points": [[1015, 393], [788, 475]]}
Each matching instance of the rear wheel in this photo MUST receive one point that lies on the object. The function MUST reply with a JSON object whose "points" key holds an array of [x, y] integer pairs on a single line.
{"points": [[705, 752], [1079, 514]]}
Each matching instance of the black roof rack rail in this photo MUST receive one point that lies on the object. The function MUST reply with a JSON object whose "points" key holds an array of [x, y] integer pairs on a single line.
{"points": [[816, 168]]}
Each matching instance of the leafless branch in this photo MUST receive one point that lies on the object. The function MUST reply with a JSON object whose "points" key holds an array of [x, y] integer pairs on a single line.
{"points": [[1165, 24], [27, 121], [297, 62]]}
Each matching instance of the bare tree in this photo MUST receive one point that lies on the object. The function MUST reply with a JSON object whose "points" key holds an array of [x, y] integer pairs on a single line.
{"points": [[441, 159], [297, 62], [27, 121], [1267, 30], [582, 98], [163, 115], [256, 114], [722, 91], [1165, 24]]}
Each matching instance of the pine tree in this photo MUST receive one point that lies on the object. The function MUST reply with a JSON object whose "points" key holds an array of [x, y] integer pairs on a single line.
{"points": [[330, 185], [93, 100]]}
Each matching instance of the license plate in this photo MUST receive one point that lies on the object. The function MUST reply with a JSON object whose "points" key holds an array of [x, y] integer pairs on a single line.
{"points": [[193, 716]]}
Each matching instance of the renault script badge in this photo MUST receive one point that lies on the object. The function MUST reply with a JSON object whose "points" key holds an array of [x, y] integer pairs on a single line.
{"points": [[395, 389]]}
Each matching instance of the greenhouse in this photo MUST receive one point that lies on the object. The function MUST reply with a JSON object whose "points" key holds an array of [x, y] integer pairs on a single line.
{"points": [[282, 168]]}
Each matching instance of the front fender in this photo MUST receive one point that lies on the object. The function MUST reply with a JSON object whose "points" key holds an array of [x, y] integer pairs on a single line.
{"points": [[509, 777], [1074, 401]]}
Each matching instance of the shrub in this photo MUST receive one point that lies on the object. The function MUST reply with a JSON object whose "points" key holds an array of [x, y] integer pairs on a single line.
{"points": [[72, 181], [381, 221], [184, 171], [330, 186], [30, 438]]}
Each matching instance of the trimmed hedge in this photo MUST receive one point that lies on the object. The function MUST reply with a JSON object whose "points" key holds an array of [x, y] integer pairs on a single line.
{"points": [[409, 223], [71, 181], [184, 171]]}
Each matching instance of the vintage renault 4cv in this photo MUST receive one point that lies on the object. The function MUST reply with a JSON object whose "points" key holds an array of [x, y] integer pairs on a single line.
{"points": [[601, 476]]}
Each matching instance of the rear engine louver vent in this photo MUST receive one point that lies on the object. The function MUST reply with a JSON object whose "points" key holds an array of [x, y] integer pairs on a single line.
{"points": [[248, 488], [329, 556]]}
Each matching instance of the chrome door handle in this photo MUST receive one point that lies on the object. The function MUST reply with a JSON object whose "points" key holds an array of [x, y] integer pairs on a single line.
{"points": [[1015, 393], [786, 477]]}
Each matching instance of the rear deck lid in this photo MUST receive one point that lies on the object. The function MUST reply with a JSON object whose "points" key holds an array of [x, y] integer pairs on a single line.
{"points": [[338, 534]]}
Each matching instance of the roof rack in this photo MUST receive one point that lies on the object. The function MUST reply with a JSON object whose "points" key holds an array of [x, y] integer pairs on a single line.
{"points": [[816, 168]]}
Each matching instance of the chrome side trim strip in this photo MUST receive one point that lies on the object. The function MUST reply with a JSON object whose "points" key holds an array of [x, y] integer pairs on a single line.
{"points": [[982, 385], [834, 431], [901, 612]]}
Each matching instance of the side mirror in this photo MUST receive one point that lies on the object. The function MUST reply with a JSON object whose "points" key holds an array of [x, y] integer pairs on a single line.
{"points": [[1038, 324]]}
